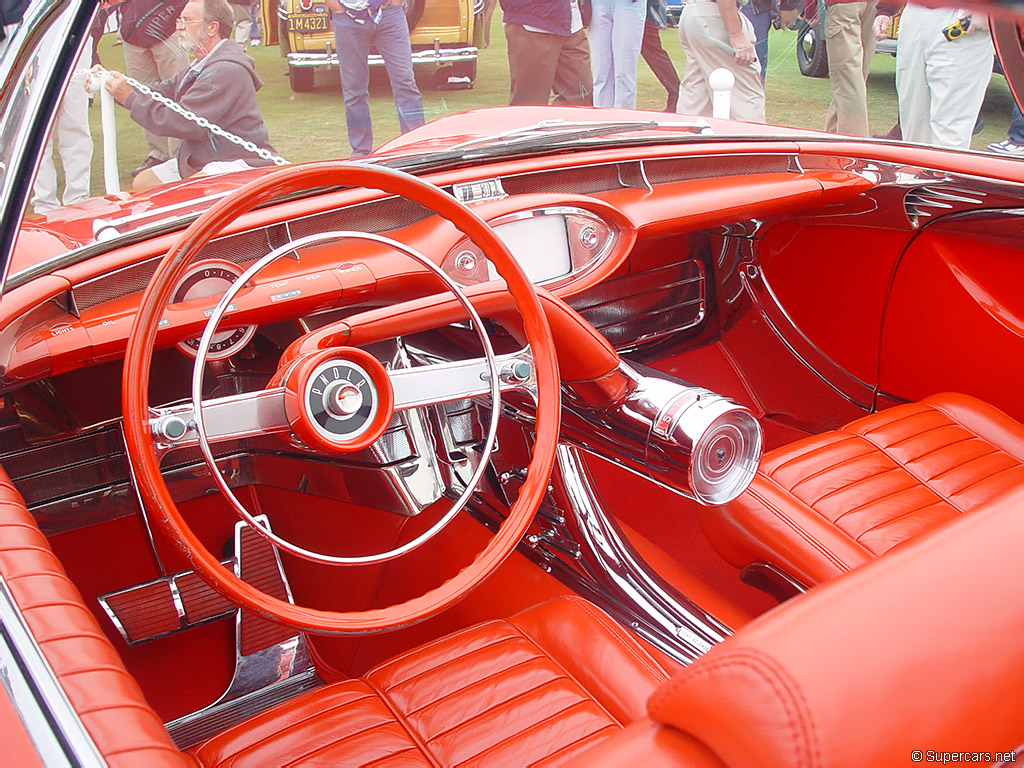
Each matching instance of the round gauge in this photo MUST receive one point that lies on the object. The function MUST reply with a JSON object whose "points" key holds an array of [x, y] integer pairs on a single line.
{"points": [[212, 278]]}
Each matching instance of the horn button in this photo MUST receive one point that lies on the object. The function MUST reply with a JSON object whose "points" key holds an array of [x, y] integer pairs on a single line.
{"points": [[339, 399]]}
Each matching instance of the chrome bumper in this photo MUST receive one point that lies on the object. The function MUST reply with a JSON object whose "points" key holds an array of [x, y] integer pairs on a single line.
{"points": [[436, 56]]}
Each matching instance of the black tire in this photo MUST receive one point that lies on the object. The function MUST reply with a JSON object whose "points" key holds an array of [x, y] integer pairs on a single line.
{"points": [[811, 54], [301, 79], [414, 12]]}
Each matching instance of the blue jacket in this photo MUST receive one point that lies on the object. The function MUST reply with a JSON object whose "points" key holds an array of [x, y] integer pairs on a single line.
{"points": [[551, 15]]}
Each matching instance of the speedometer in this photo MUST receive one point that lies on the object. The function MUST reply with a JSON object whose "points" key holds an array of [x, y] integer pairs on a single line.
{"points": [[212, 278]]}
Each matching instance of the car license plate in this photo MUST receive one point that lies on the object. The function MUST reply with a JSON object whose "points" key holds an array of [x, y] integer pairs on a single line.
{"points": [[308, 22]]}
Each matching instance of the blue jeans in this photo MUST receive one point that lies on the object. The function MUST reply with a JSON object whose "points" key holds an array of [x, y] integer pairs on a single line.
{"points": [[762, 21], [353, 36], [1016, 131]]}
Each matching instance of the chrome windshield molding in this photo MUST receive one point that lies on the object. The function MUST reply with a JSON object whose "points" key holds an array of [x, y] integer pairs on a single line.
{"points": [[35, 65], [620, 580], [51, 721]]}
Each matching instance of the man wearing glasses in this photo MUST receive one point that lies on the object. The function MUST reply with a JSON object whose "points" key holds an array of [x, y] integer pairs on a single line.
{"points": [[220, 86]]}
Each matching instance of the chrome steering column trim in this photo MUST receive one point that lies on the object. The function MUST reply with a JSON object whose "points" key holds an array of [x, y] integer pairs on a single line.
{"points": [[52, 723], [625, 585]]}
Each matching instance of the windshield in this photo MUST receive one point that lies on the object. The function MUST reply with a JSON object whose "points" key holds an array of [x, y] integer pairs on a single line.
{"points": [[171, 105]]}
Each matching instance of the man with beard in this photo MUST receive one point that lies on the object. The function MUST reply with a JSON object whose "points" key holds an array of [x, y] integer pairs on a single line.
{"points": [[220, 86]]}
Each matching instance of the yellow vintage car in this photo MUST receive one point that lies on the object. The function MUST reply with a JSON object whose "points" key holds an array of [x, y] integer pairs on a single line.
{"points": [[441, 32]]}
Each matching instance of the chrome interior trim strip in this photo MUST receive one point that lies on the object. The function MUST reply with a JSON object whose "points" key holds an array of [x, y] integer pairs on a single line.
{"points": [[807, 352], [625, 585], [141, 508], [49, 718]]}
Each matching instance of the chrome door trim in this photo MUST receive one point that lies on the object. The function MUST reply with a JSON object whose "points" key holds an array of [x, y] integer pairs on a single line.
{"points": [[47, 714]]}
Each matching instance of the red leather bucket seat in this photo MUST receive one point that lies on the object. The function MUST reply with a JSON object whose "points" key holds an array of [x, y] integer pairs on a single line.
{"points": [[824, 505]]}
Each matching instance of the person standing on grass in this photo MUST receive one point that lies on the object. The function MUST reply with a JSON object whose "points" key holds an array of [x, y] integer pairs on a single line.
{"points": [[943, 65], [616, 33], [656, 56], [714, 34], [1013, 144], [358, 24], [547, 52], [850, 43]]}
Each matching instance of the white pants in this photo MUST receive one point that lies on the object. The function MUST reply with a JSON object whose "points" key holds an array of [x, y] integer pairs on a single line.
{"points": [[941, 83], [616, 32], [74, 144]]}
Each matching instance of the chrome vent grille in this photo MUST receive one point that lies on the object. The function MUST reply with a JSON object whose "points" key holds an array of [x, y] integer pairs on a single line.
{"points": [[637, 309], [68, 467], [927, 201], [578, 181], [683, 168], [379, 216]]}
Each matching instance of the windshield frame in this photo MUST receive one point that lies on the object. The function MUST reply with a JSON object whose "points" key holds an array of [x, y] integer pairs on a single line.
{"points": [[23, 132]]}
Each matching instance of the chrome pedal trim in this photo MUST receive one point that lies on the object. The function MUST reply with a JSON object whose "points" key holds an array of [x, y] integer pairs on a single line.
{"points": [[272, 662], [164, 606], [190, 730]]}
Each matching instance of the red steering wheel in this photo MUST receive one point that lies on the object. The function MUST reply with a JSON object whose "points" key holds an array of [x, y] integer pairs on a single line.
{"points": [[141, 439]]}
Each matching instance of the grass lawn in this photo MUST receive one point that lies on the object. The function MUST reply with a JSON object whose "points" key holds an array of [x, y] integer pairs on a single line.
{"points": [[311, 125]]}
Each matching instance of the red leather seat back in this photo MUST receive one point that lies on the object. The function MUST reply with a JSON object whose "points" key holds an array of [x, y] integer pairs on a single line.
{"points": [[921, 650], [123, 726], [829, 503]]}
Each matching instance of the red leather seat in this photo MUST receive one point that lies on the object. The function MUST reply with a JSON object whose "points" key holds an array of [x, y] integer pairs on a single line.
{"points": [[122, 726], [919, 652], [535, 689], [824, 505]]}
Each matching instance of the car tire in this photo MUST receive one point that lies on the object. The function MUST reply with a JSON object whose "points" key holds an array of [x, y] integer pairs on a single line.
{"points": [[301, 79], [811, 54], [414, 12]]}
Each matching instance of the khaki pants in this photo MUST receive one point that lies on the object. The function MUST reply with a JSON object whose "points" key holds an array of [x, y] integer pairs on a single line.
{"points": [[706, 44], [850, 42], [151, 65]]}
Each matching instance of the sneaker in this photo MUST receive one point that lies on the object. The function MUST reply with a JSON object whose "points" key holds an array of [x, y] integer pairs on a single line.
{"points": [[149, 162], [1007, 147]]}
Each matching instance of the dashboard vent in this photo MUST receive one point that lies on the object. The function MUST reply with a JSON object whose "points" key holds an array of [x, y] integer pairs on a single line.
{"points": [[637, 309], [578, 181]]}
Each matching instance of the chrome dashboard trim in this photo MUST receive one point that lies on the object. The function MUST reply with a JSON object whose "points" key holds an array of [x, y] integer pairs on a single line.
{"points": [[52, 723]]}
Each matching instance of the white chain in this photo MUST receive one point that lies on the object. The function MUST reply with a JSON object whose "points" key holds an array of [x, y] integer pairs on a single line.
{"points": [[202, 122]]}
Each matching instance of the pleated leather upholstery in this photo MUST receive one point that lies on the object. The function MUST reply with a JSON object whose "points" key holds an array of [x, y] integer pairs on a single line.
{"points": [[536, 689], [125, 729], [824, 505]]}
